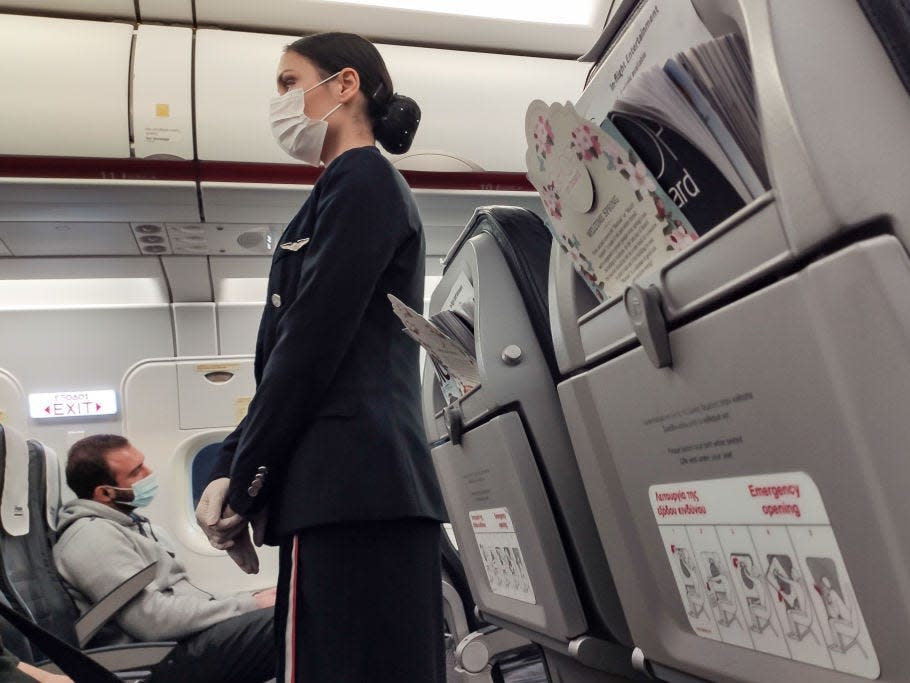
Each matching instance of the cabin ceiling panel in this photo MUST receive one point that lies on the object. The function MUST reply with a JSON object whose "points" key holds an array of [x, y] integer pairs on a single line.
{"points": [[510, 32]]}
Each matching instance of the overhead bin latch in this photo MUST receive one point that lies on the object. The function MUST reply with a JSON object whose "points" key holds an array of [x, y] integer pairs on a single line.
{"points": [[647, 318], [454, 420]]}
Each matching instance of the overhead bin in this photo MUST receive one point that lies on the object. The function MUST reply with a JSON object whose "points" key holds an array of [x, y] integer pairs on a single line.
{"points": [[545, 31], [473, 104], [116, 9], [162, 107], [71, 86], [166, 10]]}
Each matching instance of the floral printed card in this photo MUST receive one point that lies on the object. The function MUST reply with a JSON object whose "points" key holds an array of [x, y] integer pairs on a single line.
{"points": [[605, 208]]}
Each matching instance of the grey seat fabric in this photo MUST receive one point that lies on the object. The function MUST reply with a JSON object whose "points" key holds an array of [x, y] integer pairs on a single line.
{"points": [[525, 243], [28, 576], [13, 640]]}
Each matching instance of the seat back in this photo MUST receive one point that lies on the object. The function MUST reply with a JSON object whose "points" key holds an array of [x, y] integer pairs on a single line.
{"points": [[28, 576], [504, 458], [12, 638], [525, 243]]}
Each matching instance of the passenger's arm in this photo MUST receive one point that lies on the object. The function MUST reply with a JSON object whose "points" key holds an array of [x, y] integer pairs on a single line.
{"points": [[42, 676], [151, 615], [358, 230], [155, 615]]}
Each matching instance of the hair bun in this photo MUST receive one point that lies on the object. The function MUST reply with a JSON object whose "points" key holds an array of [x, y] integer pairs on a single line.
{"points": [[396, 127]]}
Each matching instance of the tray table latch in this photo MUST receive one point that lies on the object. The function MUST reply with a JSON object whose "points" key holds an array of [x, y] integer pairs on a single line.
{"points": [[646, 315]]}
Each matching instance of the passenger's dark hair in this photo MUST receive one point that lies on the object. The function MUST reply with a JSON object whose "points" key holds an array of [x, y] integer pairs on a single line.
{"points": [[394, 117], [86, 465]]}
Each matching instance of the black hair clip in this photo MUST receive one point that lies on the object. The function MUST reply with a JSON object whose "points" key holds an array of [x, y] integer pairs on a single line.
{"points": [[379, 91]]}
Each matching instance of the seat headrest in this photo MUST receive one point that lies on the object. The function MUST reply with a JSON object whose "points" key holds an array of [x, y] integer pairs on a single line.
{"points": [[14, 495], [54, 486]]}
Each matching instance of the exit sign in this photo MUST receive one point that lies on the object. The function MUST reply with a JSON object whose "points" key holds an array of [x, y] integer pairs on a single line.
{"points": [[73, 404]]}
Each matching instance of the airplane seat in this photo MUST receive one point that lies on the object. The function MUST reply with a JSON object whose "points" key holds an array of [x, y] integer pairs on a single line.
{"points": [[525, 243], [475, 650], [28, 576], [13, 640], [738, 395], [56, 491], [503, 454]]}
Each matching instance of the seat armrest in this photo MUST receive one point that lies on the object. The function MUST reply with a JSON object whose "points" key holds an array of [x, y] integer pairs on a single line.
{"points": [[130, 657], [91, 622], [479, 649]]}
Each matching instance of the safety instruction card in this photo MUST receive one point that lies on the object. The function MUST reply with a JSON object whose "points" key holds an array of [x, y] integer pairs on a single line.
{"points": [[503, 560], [757, 565]]}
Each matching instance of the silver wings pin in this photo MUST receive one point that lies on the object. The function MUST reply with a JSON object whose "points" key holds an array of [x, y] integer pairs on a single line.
{"points": [[295, 246]]}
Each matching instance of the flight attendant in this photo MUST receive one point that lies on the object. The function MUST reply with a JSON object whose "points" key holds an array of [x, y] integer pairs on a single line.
{"points": [[331, 461]]}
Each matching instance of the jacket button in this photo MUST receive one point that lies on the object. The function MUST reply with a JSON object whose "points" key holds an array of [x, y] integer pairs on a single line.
{"points": [[252, 491], [276, 300]]}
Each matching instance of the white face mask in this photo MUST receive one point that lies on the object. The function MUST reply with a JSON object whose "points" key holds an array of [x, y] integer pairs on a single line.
{"points": [[296, 133]]}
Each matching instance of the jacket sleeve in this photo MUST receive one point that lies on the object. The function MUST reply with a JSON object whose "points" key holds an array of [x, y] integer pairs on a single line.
{"points": [[154, 614], [226, 455], [359, 227]]}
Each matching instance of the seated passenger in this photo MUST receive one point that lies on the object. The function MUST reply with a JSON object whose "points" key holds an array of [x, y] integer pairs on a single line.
{"points": [[102, 542], [14, 671]]}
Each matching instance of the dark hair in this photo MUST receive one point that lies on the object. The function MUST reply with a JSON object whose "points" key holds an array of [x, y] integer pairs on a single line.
{"points": [[86, 465], [394, 117]]}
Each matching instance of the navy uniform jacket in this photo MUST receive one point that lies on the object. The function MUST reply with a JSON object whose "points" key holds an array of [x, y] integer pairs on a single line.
{"points": [[334, 431]]}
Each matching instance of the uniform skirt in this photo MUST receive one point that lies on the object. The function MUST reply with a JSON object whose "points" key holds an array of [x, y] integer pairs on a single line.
{"points": [[360, 602]]}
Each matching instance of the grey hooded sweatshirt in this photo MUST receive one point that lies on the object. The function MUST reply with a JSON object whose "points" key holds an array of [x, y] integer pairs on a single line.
{"points": [[100, 547]]}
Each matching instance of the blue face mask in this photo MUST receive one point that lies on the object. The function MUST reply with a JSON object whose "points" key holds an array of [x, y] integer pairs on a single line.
{"points": [[143, 490]]}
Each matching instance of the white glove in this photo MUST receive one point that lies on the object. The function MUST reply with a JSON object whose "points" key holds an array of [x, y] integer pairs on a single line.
{"points": [[243, 553], [213, 518], [225, 529]]}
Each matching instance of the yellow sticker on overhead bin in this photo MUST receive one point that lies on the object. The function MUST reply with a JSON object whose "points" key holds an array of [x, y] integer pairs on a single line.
{"points": [[162, 110], [505, 564], [217, 367], [757, 565]]}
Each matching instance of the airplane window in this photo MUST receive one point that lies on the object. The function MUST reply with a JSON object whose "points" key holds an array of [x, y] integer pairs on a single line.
{"points": [[201, 469]]}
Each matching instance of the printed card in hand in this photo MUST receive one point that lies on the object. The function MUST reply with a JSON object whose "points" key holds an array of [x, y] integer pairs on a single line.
{"points": [[605, 208]]}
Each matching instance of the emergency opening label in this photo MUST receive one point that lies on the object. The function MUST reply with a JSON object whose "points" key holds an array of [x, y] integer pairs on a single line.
{"points": [[757, 565], [503, 560]]}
